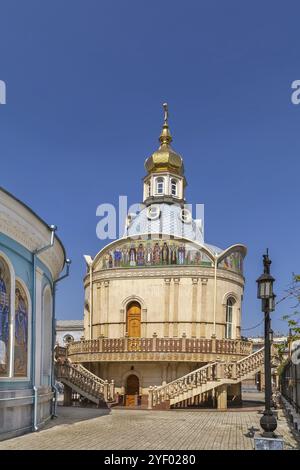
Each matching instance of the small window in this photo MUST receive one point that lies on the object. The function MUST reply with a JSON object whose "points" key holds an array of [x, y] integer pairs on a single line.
{"points": [[149, 189], [185, 216], [153, 212], [68, 339], [159, 186], [229, 311], [174, 187]]}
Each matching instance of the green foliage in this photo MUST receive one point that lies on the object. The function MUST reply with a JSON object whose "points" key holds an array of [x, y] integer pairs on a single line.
{"points": [[281, 349], [280, 368], [293, 319]]}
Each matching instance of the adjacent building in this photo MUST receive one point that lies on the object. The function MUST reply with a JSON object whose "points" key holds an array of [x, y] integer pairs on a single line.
{"points": [[31, 259], [68, 331]]}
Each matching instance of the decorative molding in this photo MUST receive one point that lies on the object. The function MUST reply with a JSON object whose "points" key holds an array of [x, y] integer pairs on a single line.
{"points": [[204, 274], [22, 226], [150, 357]]}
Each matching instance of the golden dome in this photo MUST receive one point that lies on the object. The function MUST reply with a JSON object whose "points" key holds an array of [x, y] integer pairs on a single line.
{"points": [[165, 158]]}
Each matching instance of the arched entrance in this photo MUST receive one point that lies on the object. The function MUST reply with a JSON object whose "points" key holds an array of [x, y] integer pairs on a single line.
{"points": [[133, 320], [132, 390]]}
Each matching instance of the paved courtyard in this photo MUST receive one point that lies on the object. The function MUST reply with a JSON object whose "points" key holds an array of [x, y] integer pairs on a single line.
{"points": [[88, 428]]}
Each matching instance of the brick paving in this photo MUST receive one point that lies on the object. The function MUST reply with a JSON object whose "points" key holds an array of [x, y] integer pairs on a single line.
{"points": [[89, 428]]}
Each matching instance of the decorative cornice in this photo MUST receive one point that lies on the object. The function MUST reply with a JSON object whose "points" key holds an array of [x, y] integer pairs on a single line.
{"points": [[151, 357], [22, 226], [203, 273]]}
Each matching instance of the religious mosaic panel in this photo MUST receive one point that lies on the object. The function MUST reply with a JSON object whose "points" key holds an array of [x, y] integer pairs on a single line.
{"points": [[141, 253], [21, 332], [233, 262], [4, 318]]}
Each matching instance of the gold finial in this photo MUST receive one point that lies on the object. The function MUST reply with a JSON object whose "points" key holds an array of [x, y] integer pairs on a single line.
{"points": [[165, 137], [166, 113]]}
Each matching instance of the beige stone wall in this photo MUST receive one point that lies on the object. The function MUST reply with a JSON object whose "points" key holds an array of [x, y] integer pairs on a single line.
{"points": [[174, 300], [149, 374]]}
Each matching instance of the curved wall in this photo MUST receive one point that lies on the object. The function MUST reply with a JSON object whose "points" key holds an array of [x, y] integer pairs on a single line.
{"points": [[25, 326]]}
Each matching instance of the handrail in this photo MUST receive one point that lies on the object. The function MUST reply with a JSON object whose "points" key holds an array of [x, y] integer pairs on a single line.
{"points": [[211, 364], [217, 371], [251, 355], [85, 380], [195, 378], [88, 373]]}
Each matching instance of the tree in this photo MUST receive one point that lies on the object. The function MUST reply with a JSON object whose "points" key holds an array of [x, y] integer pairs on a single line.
{"points": [[293, 319]]}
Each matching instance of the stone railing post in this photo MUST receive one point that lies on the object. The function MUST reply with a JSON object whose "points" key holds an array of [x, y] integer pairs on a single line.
{"points": [[105, 391], [213, 344], [154, 341], [112, 390], [238, 347], [126, 342], [150, 398], [234, 371], [183, 342], [220, 371], [101, 343]]}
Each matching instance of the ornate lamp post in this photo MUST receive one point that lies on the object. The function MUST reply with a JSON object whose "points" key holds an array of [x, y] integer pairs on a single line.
{"points": [[265, 282]]}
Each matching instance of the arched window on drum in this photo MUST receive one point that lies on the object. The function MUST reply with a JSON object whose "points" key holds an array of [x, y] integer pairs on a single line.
{"points": [[21, 332], [160, 186], [229, 318], [5, 312], [174, 189]]}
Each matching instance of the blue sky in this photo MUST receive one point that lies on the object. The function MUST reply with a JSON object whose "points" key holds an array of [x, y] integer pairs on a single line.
{"points": [[85, 83]]}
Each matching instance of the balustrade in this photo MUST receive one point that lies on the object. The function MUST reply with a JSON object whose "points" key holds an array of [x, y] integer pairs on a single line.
{"points": [[164, 345], [85, 380], [215, 373]]}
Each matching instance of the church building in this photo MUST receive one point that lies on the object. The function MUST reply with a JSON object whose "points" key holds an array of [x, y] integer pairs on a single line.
{"points": [[160, 302]]}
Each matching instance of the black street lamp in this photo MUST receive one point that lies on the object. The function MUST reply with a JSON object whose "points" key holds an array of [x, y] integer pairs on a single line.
{"points": [[265, 292]]}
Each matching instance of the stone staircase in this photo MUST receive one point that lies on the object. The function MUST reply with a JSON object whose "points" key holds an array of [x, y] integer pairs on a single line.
{"points": [[79, 379], [214, 375]]}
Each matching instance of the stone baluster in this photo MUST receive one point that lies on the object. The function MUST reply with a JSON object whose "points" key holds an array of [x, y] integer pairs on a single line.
{"points": [[154, 341], [112, 390], [220, 371], [106, 391], [234, 370], [126, 342], [213, 343], [183, 342], [101, 343]]}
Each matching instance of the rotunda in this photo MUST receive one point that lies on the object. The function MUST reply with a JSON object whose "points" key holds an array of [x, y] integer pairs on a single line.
{"points": [[160, 302]]}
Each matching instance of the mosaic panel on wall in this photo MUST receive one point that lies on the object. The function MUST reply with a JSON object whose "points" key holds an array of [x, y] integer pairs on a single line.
{"points": [[4, 318], [21, 332], [153, 253], [233, 262]]}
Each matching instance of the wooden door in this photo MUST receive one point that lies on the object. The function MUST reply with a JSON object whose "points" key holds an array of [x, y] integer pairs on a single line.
{"points": [[132, 390], [134, 320]]}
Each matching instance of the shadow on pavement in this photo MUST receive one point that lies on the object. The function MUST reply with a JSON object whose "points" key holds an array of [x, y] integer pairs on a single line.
{"points": [[75, 414]]}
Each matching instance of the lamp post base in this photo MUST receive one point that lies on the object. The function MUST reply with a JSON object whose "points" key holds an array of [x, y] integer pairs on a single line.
{"points": [[268, 423]]}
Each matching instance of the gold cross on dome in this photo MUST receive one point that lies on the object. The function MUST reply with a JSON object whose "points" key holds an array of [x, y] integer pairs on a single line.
{"points": [[166, 112]]}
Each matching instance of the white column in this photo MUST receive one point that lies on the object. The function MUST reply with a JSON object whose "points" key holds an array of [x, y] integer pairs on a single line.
{"points": [[106, 285]]}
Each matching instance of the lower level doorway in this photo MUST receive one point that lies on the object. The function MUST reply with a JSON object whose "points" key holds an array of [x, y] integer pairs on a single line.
{"points": [[132, 390]]}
